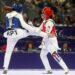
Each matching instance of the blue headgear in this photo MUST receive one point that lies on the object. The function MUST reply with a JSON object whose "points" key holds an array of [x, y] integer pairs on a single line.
{"points": [[17, 7]]}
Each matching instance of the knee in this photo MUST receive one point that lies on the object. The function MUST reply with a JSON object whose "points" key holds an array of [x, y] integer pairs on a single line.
{"points": [[56, 56]]}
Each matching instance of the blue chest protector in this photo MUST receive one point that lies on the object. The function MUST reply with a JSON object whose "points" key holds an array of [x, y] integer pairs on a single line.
{"points": [[14, 23]]}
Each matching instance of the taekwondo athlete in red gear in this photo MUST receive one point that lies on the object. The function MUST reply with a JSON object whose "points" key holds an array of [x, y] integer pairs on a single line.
{"points": [[50, 44]]}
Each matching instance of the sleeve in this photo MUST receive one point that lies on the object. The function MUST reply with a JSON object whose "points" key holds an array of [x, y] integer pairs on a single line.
{"points": [[25, 25]]}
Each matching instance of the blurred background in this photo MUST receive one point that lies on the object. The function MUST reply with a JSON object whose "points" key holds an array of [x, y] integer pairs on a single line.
{"points": [[64, 11]]}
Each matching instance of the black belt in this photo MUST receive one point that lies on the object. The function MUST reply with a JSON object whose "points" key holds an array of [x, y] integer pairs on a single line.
{"points": [[17, 28]]}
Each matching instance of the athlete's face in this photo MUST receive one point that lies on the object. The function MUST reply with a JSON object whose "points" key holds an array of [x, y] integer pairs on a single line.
{"points": [[43, 16]]}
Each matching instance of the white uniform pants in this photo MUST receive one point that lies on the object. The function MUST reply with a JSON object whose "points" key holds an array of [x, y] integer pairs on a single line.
{"points": [[11, 42], [51, 45], [12, 38]]}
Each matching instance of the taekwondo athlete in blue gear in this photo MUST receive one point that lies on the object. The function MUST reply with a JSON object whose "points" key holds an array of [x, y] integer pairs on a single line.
{"points": [[16, 30]]}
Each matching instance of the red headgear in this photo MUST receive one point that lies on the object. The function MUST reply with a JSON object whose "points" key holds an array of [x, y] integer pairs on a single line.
{"points": [[47, 11]]}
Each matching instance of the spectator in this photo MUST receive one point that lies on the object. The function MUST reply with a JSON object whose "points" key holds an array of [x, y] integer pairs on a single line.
{"points": [[3, 48], [29, 46], [66, 47]]}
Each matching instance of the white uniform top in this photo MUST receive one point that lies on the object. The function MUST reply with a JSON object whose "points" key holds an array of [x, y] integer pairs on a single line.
{"points": [[19, 16], [48, 26], [15, 25]]}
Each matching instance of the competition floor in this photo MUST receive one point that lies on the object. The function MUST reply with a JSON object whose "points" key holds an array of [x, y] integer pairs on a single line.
{"points": [[36, 72]]}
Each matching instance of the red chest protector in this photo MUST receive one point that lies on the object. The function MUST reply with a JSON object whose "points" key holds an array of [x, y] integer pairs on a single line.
{"points": [[53, 31], [43, 28]]}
